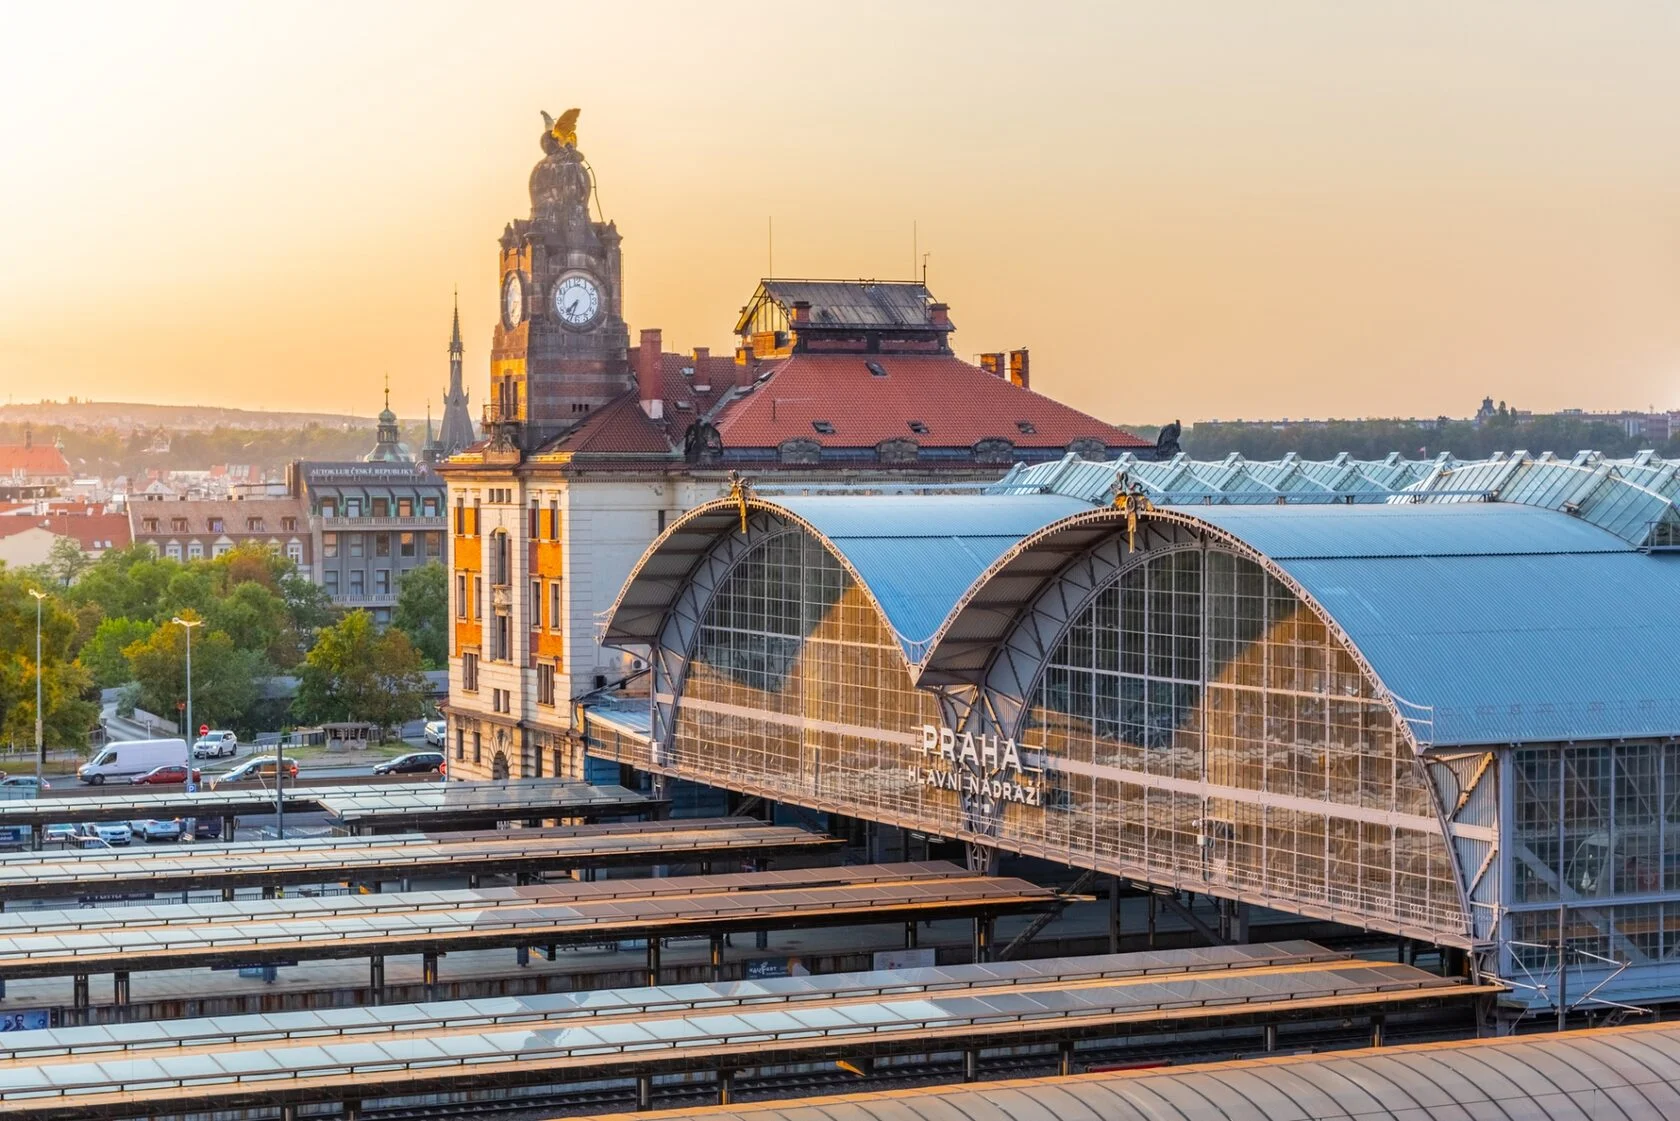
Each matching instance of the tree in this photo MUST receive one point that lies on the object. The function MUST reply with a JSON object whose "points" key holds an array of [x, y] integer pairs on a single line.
{"points": [[224, 676], [102, 655], [355, 673], [423, 612], [66, 561], [67, 714]]}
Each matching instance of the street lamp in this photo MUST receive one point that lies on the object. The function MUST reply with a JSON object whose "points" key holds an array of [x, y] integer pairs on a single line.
{"points": [[40, 742], [188, 625]]}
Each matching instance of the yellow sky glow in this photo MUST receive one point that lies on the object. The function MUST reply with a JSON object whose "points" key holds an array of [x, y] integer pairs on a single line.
{"points": [[1189, 209]]}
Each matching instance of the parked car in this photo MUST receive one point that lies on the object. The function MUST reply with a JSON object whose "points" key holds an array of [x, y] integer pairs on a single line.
{"points": [[62, 834], [170, 774], [436, 730], [202, 828], [216, 745], [261, 767], [151, 829], [110, 832], [414, 763], [128, 758], [26, 780]]}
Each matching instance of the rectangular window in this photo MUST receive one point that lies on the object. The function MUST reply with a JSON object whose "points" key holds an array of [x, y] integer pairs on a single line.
{"points": [[460, 595], [382, 544], [478, 742], [504, 638], [288, 525], [178, 525], [405, 507], [536, 605], [429, 507], [195, 550], [330, 581], [382, 507], [221, 547], [382, 581], [460, 517], [358, 582], [554, 519], [460, 744], [545, 684], [405, 544], [329, 507], [478, 597], [659, 522], [352, 507], [477, 518], [434, 544], [254, 525], [151, 525], [357, 544], [531, 518], [215, 525], [554, 605], [173, 550], [469, 680], [329, 546], [294, 552]]}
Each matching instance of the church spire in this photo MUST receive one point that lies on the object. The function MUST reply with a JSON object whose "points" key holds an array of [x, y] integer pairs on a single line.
{"points": [[455, 347], [456, 431]]}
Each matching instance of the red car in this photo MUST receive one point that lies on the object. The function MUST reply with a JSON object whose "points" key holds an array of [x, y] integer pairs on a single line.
{"points": [[170, 774]]}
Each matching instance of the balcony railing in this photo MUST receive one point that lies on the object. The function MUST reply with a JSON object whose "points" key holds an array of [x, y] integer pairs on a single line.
{"points": [[418, 521]]}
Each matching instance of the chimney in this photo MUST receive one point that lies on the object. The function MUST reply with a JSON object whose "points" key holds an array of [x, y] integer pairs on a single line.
{"points": [[650, 372], [992, 364], [800, 312], [1018, 372], [939, 315]]}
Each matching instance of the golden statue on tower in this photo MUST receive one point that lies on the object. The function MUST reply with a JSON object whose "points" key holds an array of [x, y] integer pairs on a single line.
{"points": [[564, 130]]}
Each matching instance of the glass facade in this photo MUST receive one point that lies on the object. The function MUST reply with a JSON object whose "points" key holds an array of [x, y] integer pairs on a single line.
{"points": [[1196, 725], [1204, 725], [1605, 820]]}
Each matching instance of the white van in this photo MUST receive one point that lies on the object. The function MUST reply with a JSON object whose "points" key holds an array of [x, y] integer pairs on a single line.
{"points": [[135, 757]]}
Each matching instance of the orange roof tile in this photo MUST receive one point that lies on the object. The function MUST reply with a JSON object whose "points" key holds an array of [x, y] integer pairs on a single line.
{"points": [[956, 403], [35, 461]]}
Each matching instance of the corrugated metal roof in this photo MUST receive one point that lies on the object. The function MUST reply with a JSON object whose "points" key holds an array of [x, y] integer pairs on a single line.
{"points": [[1407, 530], [918, 554], [1628, 497], [856, 303], [1631, 1074]]}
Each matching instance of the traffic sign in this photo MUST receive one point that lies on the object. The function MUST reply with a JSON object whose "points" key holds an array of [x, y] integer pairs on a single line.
{"points": [[204, 729]]}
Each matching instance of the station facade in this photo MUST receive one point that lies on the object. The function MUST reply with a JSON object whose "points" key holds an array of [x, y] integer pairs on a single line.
{"points": [[1447, 719]]}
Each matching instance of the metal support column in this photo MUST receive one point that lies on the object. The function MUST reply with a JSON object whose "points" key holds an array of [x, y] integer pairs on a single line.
{"points": [[1153, 908], [1065, 1052], [376, 979], [227, 895], [119, 988], [472, 881], [268, 891], [653, 961], [429, 973], [79, 998], [1271, 1037], [1239, 922], [288, 1112], [522, 955], [1114, 914], [761, 939], [644, 1092], [1376, 1029], [717, 957], [353, 1110], [971, 1065], [38, 836], [229, 825], [726, 1087], [910, 935], [982, 938]]}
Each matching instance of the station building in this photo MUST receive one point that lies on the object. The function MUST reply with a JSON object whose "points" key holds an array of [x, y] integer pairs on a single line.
{"points": [[1446, 711]]}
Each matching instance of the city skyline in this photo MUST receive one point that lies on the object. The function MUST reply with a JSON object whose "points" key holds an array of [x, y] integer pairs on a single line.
{"points": [[1204, 212]]}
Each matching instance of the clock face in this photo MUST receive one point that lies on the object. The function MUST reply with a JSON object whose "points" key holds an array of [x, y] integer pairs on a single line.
{"points": [[577, 300], [513, 301]]}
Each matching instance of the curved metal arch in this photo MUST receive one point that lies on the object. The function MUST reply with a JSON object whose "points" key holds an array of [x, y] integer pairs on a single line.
{"points": [[680, 629], [1045, 618]]}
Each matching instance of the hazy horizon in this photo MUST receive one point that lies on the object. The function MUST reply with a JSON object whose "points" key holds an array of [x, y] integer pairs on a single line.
{"points": [[1195, 210]]}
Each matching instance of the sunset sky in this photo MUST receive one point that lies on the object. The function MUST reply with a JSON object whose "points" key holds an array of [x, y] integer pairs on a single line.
{"points": [[1183, 209]]}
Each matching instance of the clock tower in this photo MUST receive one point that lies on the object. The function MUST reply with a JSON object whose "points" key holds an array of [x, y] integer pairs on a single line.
{"points": [[561, 347]]}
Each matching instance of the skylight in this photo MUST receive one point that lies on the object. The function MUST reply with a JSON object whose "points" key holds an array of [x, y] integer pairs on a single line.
{"points": [[826, 427]]}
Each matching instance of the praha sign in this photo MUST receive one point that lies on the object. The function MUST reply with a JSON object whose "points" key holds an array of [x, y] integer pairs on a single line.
{"points": [[982, 766]]}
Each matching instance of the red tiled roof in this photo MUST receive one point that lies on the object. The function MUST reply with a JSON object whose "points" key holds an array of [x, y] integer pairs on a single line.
{"points": [[93, 532], [958, 404], [619, 427], [36, 461]]}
